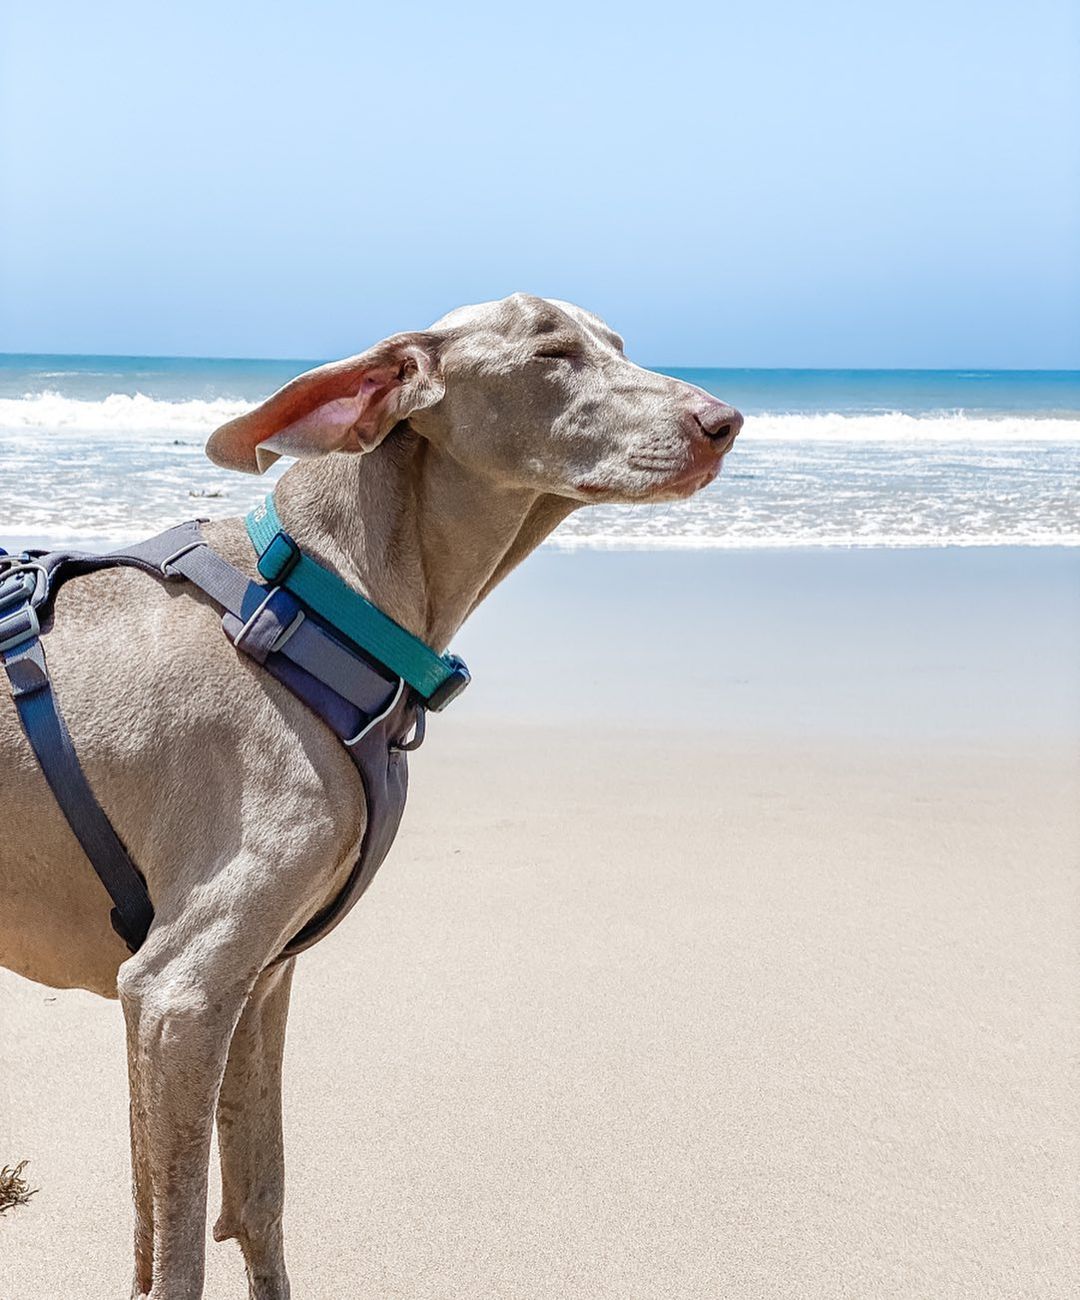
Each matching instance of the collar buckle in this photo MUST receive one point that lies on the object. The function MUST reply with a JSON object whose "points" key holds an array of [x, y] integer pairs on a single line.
{"points": [[449, 689], [280, 557]]}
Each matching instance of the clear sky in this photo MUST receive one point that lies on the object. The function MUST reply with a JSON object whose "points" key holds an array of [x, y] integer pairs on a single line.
{"points": [[838, 183]]}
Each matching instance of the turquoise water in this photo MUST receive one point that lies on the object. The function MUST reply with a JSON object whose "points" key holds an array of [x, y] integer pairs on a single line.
{"points": [[1038, 393], [94, 449], [756, 392]]}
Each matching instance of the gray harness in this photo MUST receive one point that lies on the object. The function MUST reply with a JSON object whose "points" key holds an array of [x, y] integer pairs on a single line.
{"points": [[370, 709]]}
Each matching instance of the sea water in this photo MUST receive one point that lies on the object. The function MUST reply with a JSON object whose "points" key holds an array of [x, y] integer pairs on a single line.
{"points": [[96, 450]]}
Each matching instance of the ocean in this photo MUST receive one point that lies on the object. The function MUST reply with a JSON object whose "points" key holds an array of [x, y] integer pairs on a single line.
{"points": [[99, 450]]}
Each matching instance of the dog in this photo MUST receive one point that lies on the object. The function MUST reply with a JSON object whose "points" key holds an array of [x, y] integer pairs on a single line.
{"points": [[426, 469]]}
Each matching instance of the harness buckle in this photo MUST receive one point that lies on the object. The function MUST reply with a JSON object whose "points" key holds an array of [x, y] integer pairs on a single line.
{"points": [[451, 688], [17, 588], [279, 559], [20, 625], [19, 620]]}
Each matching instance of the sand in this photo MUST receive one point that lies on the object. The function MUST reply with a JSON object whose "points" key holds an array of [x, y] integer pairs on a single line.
{"points": [[781, 1009]]}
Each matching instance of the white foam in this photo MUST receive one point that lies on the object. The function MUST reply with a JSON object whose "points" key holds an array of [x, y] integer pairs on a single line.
{"points": [[834, 539], [127, 466], [122, 414], [119, 414], [898, 427]]}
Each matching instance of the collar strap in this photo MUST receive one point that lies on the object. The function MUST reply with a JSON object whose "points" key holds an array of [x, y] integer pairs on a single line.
{"points": [[437, 679]]}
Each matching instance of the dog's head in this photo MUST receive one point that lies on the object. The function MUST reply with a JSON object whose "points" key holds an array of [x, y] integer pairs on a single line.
{"points": [[534, 393]]}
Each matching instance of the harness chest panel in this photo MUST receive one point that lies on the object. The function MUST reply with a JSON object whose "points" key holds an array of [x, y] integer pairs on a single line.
{"points": [[367, 705]]}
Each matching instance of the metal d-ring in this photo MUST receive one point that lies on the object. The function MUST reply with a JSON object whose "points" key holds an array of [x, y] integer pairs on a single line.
{"points": [[419, 728]]}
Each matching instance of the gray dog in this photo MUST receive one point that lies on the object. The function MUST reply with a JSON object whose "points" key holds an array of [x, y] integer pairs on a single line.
{"points": [[481, 434]]}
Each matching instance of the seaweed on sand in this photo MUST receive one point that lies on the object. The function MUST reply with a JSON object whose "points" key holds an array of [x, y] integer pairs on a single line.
{"points": [[14, 1189]]}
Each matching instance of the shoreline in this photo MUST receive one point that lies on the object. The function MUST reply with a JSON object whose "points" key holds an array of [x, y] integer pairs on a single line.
{"points": [[959, 645], [997, 542], [17, 541]]}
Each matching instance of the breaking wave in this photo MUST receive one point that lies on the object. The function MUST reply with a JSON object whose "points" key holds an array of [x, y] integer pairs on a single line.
{"points": [[77, 471], [119, 414], [123, 414], [896, 426]]}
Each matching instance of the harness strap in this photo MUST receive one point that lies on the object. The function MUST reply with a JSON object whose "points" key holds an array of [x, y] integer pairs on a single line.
{"points": [[436, 679], [44, 725], [298, 638], [363, 701], [250, 609]]}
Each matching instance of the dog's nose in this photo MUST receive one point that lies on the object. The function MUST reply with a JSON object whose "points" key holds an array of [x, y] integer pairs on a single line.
{"points": [[718, 421]]}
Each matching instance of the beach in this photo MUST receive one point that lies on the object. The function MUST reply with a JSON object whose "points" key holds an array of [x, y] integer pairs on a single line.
{"points": [[707, 379], [727, 950]]}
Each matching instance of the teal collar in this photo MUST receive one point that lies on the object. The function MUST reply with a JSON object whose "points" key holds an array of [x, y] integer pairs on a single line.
{"points": [[437, 679]]}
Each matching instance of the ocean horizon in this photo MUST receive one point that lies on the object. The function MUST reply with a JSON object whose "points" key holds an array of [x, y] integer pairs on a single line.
{"points": [[100, 449]]}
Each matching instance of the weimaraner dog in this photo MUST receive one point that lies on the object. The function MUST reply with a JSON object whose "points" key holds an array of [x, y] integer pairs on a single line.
{"points": [[478, 436]]}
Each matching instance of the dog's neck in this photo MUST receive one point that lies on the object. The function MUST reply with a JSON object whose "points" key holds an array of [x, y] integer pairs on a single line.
{"points": [[419, 534]]}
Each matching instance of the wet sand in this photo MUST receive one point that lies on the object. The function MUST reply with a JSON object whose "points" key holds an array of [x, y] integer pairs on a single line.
{"points": [[748, 973]]}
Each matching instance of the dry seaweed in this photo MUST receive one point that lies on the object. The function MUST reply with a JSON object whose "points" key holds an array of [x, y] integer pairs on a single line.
{"points": [[14, 1189]]}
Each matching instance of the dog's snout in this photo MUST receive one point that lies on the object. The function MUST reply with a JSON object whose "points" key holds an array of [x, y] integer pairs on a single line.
{"points": [[718, 421]]}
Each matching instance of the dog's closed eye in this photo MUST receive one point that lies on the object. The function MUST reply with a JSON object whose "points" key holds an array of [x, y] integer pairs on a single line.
{"points": [[558, 352]]}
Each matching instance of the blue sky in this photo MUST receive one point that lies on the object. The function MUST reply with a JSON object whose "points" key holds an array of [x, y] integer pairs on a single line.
{"points": [[776, 183]]}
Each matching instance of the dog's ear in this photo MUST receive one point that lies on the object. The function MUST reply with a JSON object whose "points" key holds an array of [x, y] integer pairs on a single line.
{"points": [[347, 405]]}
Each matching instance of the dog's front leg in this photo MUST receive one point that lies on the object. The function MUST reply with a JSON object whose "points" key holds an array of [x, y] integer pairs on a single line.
{"points": [[250, 1138], [142, 1185], [180, 1009]]}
